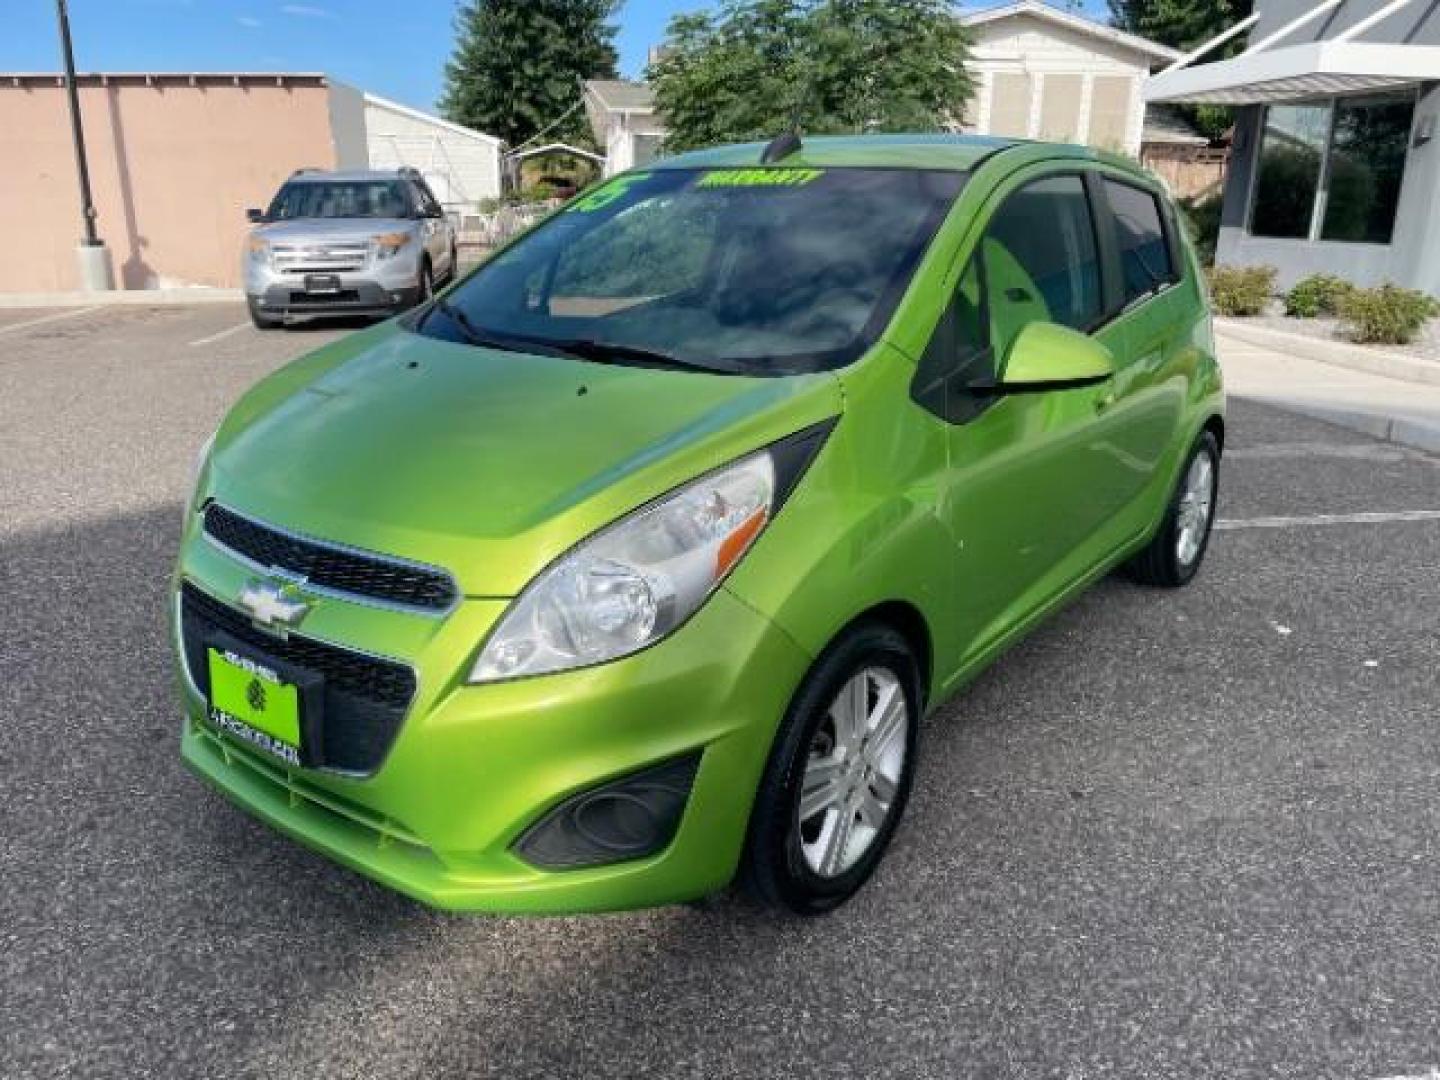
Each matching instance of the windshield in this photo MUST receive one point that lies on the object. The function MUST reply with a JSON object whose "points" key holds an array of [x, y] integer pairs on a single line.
{"points": [[339, 199], [758, 271]]}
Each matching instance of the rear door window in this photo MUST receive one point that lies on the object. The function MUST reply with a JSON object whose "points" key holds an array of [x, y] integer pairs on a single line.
{"points": [[1144, 253]]}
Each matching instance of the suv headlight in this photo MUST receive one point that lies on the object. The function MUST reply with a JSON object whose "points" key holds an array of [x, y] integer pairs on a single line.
{"points": [[638, 580], [388, 245]]}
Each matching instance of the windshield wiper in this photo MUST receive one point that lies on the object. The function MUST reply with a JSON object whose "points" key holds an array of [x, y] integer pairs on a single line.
{"points": [[611, 352], [475, 335]]}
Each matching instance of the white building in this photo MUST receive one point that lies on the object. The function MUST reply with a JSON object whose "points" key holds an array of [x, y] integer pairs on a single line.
{"points": [[623, 118], [461, 165], [1042, 73]]}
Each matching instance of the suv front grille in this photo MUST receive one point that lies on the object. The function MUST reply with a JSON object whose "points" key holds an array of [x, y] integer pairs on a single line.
{"points": [[354, 573], [365, 697], [337, 258]]}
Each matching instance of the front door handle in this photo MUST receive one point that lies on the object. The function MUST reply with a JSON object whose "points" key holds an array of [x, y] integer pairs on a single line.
{"points": [[1105, 400]]}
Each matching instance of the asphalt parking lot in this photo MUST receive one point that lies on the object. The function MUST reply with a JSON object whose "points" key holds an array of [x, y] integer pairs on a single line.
{"points": [[1171, 835]]}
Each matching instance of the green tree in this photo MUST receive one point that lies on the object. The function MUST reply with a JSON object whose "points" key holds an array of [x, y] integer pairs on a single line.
{"points": [[755, 67], [518, 64], [1185, 25]]}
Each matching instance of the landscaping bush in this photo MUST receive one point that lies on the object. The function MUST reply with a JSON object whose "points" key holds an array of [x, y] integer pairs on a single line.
{"points": [[1318, 294], [1241, 290], [1388, 315]]}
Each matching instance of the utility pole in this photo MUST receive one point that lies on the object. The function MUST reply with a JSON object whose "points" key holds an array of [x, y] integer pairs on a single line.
{"points": [[94, 259]]}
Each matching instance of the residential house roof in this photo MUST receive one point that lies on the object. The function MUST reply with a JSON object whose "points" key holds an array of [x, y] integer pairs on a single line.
{"points": [[1078, 23]]}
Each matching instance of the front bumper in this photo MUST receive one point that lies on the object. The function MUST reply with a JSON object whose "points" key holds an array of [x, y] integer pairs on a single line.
{"points": [[380, 287], [473, 767], [354, 298]]}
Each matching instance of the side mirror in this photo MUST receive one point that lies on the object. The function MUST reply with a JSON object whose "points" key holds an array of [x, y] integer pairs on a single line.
{"points": [[1047, 356], [254, 215]]}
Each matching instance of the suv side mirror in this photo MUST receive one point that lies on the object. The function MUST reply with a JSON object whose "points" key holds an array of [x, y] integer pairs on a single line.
{"points": [[254, 215], [1048, 356]]}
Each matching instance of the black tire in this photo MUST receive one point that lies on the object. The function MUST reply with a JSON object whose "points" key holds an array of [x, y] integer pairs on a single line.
{"points": [[427, 284], [261, 320], [454, 265], [1159, 564], [773, 869]]}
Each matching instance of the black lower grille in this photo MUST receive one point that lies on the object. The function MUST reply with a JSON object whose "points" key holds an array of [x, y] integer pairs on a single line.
{"points": [[361, 575], [365, 697]]}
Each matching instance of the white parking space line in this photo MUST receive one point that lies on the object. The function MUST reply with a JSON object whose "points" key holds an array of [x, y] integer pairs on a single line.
{"points": [[48, 319], [222, 334], [1327, 519]]}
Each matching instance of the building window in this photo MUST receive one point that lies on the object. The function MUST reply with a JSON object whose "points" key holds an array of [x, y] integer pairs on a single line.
{"points": [[1367, 160], [1332, 171], [1010, 104]]}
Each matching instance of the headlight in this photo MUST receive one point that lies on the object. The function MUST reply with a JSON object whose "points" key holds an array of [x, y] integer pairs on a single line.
{"points": [[387, 245], [633, 583], [195, 471], [258, 249]]}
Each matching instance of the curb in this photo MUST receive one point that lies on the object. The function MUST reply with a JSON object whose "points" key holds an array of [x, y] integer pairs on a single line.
{"points": [[1415, 434], [1337, 353], [121, 296]]}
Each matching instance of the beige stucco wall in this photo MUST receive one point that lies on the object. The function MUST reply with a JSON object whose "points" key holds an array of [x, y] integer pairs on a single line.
{"points": [[173, 167]]}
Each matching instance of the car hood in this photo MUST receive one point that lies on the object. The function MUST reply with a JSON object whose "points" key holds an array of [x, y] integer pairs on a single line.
{"points": [[487, 463], [313, 230]]}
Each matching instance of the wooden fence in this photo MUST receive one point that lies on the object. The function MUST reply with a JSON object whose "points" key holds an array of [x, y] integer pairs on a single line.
{"points": [[1189, 171]]}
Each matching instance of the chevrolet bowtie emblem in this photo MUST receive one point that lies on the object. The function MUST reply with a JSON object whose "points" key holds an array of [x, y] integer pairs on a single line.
{"points": [[274, 605]]}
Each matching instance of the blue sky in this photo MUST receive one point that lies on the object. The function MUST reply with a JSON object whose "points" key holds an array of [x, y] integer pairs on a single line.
{"points": [[395, 49]]}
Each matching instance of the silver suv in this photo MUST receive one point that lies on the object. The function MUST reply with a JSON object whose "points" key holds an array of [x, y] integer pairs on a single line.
{"points": [[346, 243]]}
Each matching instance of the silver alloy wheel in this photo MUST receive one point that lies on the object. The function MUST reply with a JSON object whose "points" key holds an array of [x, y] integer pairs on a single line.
{"points": [[852, 771], [1197, 502]]}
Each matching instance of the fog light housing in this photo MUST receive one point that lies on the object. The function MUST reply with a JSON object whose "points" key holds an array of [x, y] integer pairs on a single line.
{"points": [[629, 818]]}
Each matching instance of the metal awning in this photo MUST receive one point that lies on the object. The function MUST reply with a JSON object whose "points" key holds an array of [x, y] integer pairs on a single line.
{"points": [[1315, 69]]}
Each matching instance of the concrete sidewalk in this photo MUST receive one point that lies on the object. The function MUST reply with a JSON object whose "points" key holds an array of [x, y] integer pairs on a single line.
{"points": [[1393, 409]]}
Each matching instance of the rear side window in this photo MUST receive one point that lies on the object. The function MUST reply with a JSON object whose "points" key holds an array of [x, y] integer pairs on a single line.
{"points": [[1041, 261], [1144, 253]]}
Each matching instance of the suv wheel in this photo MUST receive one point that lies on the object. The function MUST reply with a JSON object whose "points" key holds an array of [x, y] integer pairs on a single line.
{"points": [[838, 777]]}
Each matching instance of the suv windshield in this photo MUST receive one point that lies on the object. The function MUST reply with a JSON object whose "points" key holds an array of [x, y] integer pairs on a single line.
{"points": [[761, 271], [338, 199]]}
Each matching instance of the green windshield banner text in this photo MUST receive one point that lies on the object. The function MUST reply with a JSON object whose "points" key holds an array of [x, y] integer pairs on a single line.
{"points": [[758, 177], [607, 193]]}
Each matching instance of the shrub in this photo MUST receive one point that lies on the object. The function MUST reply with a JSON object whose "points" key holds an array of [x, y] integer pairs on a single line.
{"points": [[1388, 315], [1318, 294], [1241, 290], [1202, 222]]}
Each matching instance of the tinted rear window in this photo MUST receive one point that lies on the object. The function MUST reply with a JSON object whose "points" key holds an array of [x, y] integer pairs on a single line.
{"points": [[1144, 253]]}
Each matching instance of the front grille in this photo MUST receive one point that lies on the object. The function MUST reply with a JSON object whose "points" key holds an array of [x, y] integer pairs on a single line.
{"points": [[327, 259], [365, 697], [354, 573]]}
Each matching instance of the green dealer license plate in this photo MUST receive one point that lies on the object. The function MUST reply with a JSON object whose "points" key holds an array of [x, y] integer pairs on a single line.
{"points": [[253, 703]]}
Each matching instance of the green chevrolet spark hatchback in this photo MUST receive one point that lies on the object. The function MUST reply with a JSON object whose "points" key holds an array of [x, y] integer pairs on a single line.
{"points": [[629, 566]]}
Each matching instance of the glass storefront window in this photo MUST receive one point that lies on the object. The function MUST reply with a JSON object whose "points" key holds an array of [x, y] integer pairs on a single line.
{"points": [[1367, 160], [1292, 152], [1348, 155]]}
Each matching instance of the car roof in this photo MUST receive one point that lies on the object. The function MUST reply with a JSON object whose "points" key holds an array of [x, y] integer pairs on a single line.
{"points": [[310, 176], [917, 151]]}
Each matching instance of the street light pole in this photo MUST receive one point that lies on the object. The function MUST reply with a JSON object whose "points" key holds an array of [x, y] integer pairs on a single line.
{"points": [[94, 260]]}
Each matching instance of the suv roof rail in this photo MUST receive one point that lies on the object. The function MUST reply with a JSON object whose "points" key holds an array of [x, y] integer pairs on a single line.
{"points": [[306, 169]]}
